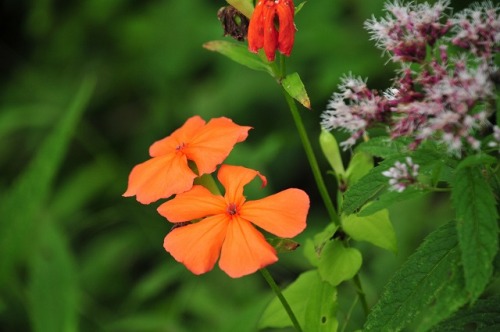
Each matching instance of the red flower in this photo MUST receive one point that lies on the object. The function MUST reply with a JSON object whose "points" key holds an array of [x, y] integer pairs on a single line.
{"points": [[226, 228], [168, 173], [262, 31]]}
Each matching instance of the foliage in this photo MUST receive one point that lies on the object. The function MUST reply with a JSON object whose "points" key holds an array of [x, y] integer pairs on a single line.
{"points": [[87, 85]]}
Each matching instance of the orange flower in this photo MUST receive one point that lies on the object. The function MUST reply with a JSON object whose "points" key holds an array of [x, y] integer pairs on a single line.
{"points": [[168, 172], [262, 31], [226, 228]]}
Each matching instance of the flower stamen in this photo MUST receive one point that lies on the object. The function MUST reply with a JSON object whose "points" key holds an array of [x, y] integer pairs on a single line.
{"points": [[232, 209], [180, 146]]}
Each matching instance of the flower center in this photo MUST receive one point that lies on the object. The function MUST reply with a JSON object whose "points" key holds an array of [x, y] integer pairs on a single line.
{"points": [[232, 209], [180, 146]]}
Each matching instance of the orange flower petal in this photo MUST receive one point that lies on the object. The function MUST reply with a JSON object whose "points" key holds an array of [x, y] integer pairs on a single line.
{"points": [[198, 245], [196, 203], [177, 138], [160, 177], [255, 33], [270, 32], [283, 214], [234, 178], [244, 250], [286, 34], [212, 144]]}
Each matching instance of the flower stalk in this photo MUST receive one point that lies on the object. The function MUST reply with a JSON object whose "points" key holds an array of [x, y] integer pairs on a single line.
{"points": [[267, 276], [318, 177]]}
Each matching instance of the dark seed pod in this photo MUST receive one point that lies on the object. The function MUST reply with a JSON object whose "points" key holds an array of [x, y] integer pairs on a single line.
{"points": [[234, 23]]}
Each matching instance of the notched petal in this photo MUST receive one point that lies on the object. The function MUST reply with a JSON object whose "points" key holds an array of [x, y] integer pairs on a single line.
{"points": [[234, 178]]}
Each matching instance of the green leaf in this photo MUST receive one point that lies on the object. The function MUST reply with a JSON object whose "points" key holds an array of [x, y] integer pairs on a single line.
{"points": [[243, 6], [375, 228], [431, 278], [384, 147], [361, 163], [367, 188], [451, 297], [338, 263], [299, 7], [84, 184], [313, 302], [390, 197], [22, 203], [331, 151], [483, 316], [52, 289], [477, 226], [480, 159], [313, 247], [373, 184], [295, 88], [238, 53]]}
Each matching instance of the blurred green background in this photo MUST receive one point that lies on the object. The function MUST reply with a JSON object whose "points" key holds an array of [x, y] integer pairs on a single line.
{"points": [[86, 87]]}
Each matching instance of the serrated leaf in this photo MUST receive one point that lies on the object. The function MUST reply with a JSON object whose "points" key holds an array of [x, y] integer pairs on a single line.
{"points": [[338, 263], [477, 160], [374, 183], [313, 302], [390, 197], [367, 188], [384, 147], [477, 227], [452, 296], [26, 197], [295, 88], [361, 163], [375, 228], [430, 278], [238, 53], [52, 289], [331, 151], [483, 316]]}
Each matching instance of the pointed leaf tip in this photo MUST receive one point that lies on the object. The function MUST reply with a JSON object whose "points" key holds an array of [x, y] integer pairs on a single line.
{"points": [[295, 88]]}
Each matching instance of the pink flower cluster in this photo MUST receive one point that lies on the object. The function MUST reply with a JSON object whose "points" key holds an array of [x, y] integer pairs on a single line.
{"points": [[401, 175], [354, 109], [439, 97], [408, 29], [495, 142], [478, 29]]}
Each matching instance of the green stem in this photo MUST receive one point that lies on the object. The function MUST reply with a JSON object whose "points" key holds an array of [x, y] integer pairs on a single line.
{"points": [[318, 177], [361, 294], [208, 181], [280, 296], [349, 313]]}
